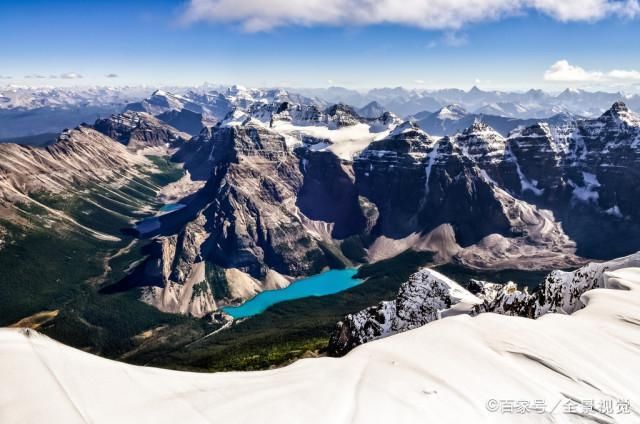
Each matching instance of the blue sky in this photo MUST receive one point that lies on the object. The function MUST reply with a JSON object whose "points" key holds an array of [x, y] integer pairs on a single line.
{"points": [[165, 42]]}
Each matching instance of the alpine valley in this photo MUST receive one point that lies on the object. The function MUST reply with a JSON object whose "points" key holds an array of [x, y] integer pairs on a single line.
{"points": [[130, 236]]}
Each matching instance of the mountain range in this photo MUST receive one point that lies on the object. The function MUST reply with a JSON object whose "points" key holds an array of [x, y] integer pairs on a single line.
{"points": [[26, 111], [181, 205]]}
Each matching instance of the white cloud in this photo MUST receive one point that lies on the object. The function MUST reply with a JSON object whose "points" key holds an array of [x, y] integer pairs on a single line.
{"points": [[587, 10], [419, 82], [624, 75], [70, 75], [35, 76], [6, 77], [454, 39], [563, 71], [112, 76], [450, 39], [260, 15]]}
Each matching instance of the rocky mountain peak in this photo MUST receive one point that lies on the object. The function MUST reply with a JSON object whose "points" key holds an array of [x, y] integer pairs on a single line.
{"points": [[341, 108], [341, 115], [420, 300], [236, 89], [159, 93], [79, 155], [569, 93], [475, 90], [539, 129], [408, 130], [389, 118], [478, 128], [452, 112], [617, 125], [535, 93], [372, 110], [620, 113], [618, 107], [480, 140]]}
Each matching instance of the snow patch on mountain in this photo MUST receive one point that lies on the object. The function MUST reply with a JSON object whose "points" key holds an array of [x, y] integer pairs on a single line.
{"points": [[451, 113], [587, 192], [344, 142]]}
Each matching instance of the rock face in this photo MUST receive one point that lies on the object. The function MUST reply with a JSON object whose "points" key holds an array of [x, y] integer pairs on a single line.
{"points": [[419, 184], [329, 194], [248, 218], [37, 184], [184, 120], [371, 110], [138, 130], [420, 300], [279, 198], [271, 210], [78, 156], [501, 193], [585, 172], [560, 291], [429, 296]]}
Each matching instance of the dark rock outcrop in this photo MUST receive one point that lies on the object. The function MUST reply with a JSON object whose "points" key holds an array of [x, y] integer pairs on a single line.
{"points": [[420, 300], [428, 296]]}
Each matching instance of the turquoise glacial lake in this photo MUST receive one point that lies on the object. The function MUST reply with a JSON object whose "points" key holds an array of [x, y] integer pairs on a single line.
{"points": [[324, 284]]}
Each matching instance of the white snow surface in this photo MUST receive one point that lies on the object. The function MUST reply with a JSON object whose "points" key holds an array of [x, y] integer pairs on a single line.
{"points": [[451, 112], [588, 192], [444, 372], [346, 142]]}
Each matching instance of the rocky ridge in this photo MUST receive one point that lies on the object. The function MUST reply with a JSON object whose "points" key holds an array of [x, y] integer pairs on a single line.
{"points": [[249, 226], [428, 296], [139, 130]]}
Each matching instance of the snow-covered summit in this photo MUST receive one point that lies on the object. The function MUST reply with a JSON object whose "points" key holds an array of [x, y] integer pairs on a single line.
{"points": [[451, 112], [620, 114], [480, 140]]}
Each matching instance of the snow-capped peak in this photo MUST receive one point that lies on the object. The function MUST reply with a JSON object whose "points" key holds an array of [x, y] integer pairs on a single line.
{"points": [[480, 128], [235, 89], [160, 93], [620, 113], [480, 140], [452, 112], [403, 128]]}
